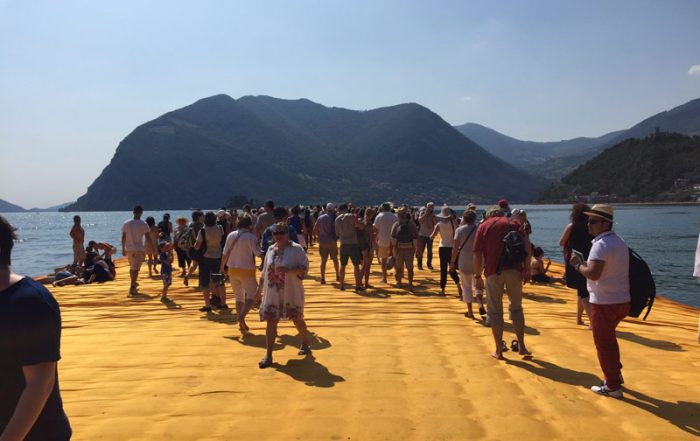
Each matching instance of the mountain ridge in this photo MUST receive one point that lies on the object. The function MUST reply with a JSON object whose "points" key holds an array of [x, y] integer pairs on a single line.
{"points": [[298, 151]]}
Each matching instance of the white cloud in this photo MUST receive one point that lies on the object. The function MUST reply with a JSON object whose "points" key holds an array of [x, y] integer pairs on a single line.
{"points": [[694, 70], [468, 98]]}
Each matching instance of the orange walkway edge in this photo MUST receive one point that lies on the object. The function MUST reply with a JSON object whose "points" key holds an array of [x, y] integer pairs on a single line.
{"points": [[386, 365]]}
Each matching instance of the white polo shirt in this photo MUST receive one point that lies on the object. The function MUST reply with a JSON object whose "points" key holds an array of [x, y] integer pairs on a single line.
{"points": [[613, 287], [135, 229], [243, 253]]}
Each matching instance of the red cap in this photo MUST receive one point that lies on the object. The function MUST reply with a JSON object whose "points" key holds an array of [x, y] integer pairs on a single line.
{"points": [[503, 203]]}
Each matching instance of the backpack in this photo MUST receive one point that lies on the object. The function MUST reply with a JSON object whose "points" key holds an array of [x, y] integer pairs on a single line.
{"points": [[514, 252], [642, 286], [186, 239], [404, 233]]}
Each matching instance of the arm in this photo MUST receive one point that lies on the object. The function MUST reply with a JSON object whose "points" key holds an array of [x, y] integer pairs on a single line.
{"points": [[39, 379], [478, 267], [455, 251], [228, 247], [123, 243], [591, 270], [528, 260], [565, 236], [436, 230]]}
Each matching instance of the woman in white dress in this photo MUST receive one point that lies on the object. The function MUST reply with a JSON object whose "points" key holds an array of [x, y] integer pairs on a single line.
{"points": [[281, 283]]}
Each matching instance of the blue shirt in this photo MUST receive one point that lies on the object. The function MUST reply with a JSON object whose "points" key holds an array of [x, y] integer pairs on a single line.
{"points": [[267, 235], [30, 333]]}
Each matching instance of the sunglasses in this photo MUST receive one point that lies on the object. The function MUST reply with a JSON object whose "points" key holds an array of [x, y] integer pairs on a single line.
{"points": [[279, 233], [593, 222]]}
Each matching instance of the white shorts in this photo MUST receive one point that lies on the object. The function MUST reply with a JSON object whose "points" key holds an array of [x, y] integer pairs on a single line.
{"points": [[244, 286]]}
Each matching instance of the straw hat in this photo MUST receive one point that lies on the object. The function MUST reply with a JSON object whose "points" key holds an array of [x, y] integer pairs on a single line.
{"points": [[445, 212], [603, 211]]}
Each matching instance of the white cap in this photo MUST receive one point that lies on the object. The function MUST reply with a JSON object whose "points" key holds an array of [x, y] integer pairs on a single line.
{"points": [[330, 206]]}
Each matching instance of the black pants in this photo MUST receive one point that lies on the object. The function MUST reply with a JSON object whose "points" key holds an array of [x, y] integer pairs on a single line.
{"points": [[445, 254], [422, 242], [183, 259]]}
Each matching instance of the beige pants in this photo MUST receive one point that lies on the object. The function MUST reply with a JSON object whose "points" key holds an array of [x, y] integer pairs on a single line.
{"points": [[509, 281]]}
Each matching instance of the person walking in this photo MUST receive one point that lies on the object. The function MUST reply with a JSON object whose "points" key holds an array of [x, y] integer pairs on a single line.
{"points": [[383, 223], [324, 229], [282, 290], [240, 251], [462, 260], [152, 246], [210, 237], [576, 237], [446, 227], [500, 276], [183, 241], [30, 347], [404, 236], [346, 225], [607, 272], [367, 239], [427, 221], [134, 232]]}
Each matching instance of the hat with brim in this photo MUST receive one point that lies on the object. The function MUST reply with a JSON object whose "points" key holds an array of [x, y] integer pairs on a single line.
{"points": [[602, 211], [445, 212]]}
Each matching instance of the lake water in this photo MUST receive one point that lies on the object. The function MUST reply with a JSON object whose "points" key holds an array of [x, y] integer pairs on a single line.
{"points": [[665, 236]]}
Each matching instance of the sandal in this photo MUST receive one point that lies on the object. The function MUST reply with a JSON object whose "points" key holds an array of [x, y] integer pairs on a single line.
{"points": [[504, 346], [514, 346], [304, 350], [265, 363]]}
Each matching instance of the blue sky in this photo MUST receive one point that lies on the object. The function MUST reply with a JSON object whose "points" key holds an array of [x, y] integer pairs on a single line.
{"points": [[77, 77]]}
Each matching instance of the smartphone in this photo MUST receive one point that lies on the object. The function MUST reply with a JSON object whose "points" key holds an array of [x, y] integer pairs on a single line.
{"points": [[579, 254]]}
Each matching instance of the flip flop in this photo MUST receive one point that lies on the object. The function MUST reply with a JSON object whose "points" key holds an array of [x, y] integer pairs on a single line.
{"points": [[265, 363], [504, 346]]}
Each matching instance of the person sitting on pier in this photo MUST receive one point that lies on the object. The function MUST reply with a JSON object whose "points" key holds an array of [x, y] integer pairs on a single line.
{"points": [[538, 270]]}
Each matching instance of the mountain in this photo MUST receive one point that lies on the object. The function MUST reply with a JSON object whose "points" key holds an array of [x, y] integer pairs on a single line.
{"points": [[556, 159], [525, 154], [660, 167], [58, 207], [6, 207], [299, 151]]}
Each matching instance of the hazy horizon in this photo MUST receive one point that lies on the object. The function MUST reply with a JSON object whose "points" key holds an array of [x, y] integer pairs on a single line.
{"points": [[78, 77]]}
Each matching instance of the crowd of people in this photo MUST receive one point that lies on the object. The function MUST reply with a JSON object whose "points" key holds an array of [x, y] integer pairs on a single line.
{"points": [[486, 254]]}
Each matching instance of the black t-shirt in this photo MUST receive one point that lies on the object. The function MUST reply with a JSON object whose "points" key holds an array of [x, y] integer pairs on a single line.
{"points": [[30, 333]]}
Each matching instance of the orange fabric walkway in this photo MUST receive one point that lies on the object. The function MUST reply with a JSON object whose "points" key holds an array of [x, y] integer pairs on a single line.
{"points": [[386, 365]]}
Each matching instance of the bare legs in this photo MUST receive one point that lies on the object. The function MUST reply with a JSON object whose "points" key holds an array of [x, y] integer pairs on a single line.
{"points": [[583, 304], [271, 336]]}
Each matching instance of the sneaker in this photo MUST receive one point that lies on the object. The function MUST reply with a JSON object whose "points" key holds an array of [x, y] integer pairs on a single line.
{"points": [[304, 350], [205, 309], [603, 390]]}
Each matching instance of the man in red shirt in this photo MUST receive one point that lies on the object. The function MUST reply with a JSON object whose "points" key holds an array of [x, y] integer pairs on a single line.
{"points": [[488, 249]]}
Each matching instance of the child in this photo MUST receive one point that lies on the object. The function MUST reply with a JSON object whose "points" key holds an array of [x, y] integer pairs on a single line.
{"points": [[166, 267], [539, 271]]}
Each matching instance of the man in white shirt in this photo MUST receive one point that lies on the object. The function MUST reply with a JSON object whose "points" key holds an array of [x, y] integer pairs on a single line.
{"points": [[239, 255], [607, 271], [133, 233], [384, 222]]}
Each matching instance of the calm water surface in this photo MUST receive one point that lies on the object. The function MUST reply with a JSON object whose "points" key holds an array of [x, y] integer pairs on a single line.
{"points": [[666, 236]]}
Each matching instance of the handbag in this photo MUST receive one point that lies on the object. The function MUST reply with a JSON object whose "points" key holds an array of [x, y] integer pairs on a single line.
{"points": [[198, 254]]}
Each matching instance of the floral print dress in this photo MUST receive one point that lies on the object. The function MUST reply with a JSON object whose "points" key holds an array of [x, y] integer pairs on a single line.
{"points": [[283, 294]]}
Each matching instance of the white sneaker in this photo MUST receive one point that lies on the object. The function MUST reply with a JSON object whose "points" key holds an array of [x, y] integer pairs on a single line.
{"points": [[603, 390]]}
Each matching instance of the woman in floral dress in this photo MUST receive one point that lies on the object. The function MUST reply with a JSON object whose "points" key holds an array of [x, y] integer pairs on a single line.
{"points": [[282, 286]]}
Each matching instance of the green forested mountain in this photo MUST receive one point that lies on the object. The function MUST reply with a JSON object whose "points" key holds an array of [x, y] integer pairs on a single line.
{"points": [[299, 151], [660, 167]]}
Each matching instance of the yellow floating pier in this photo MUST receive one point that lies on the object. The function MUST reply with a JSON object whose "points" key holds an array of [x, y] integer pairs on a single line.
{"points": [[386, 365]]}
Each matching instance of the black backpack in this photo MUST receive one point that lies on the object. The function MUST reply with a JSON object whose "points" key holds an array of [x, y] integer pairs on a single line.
{"points": [[642, 286], [514, 252], [404, 233]]}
